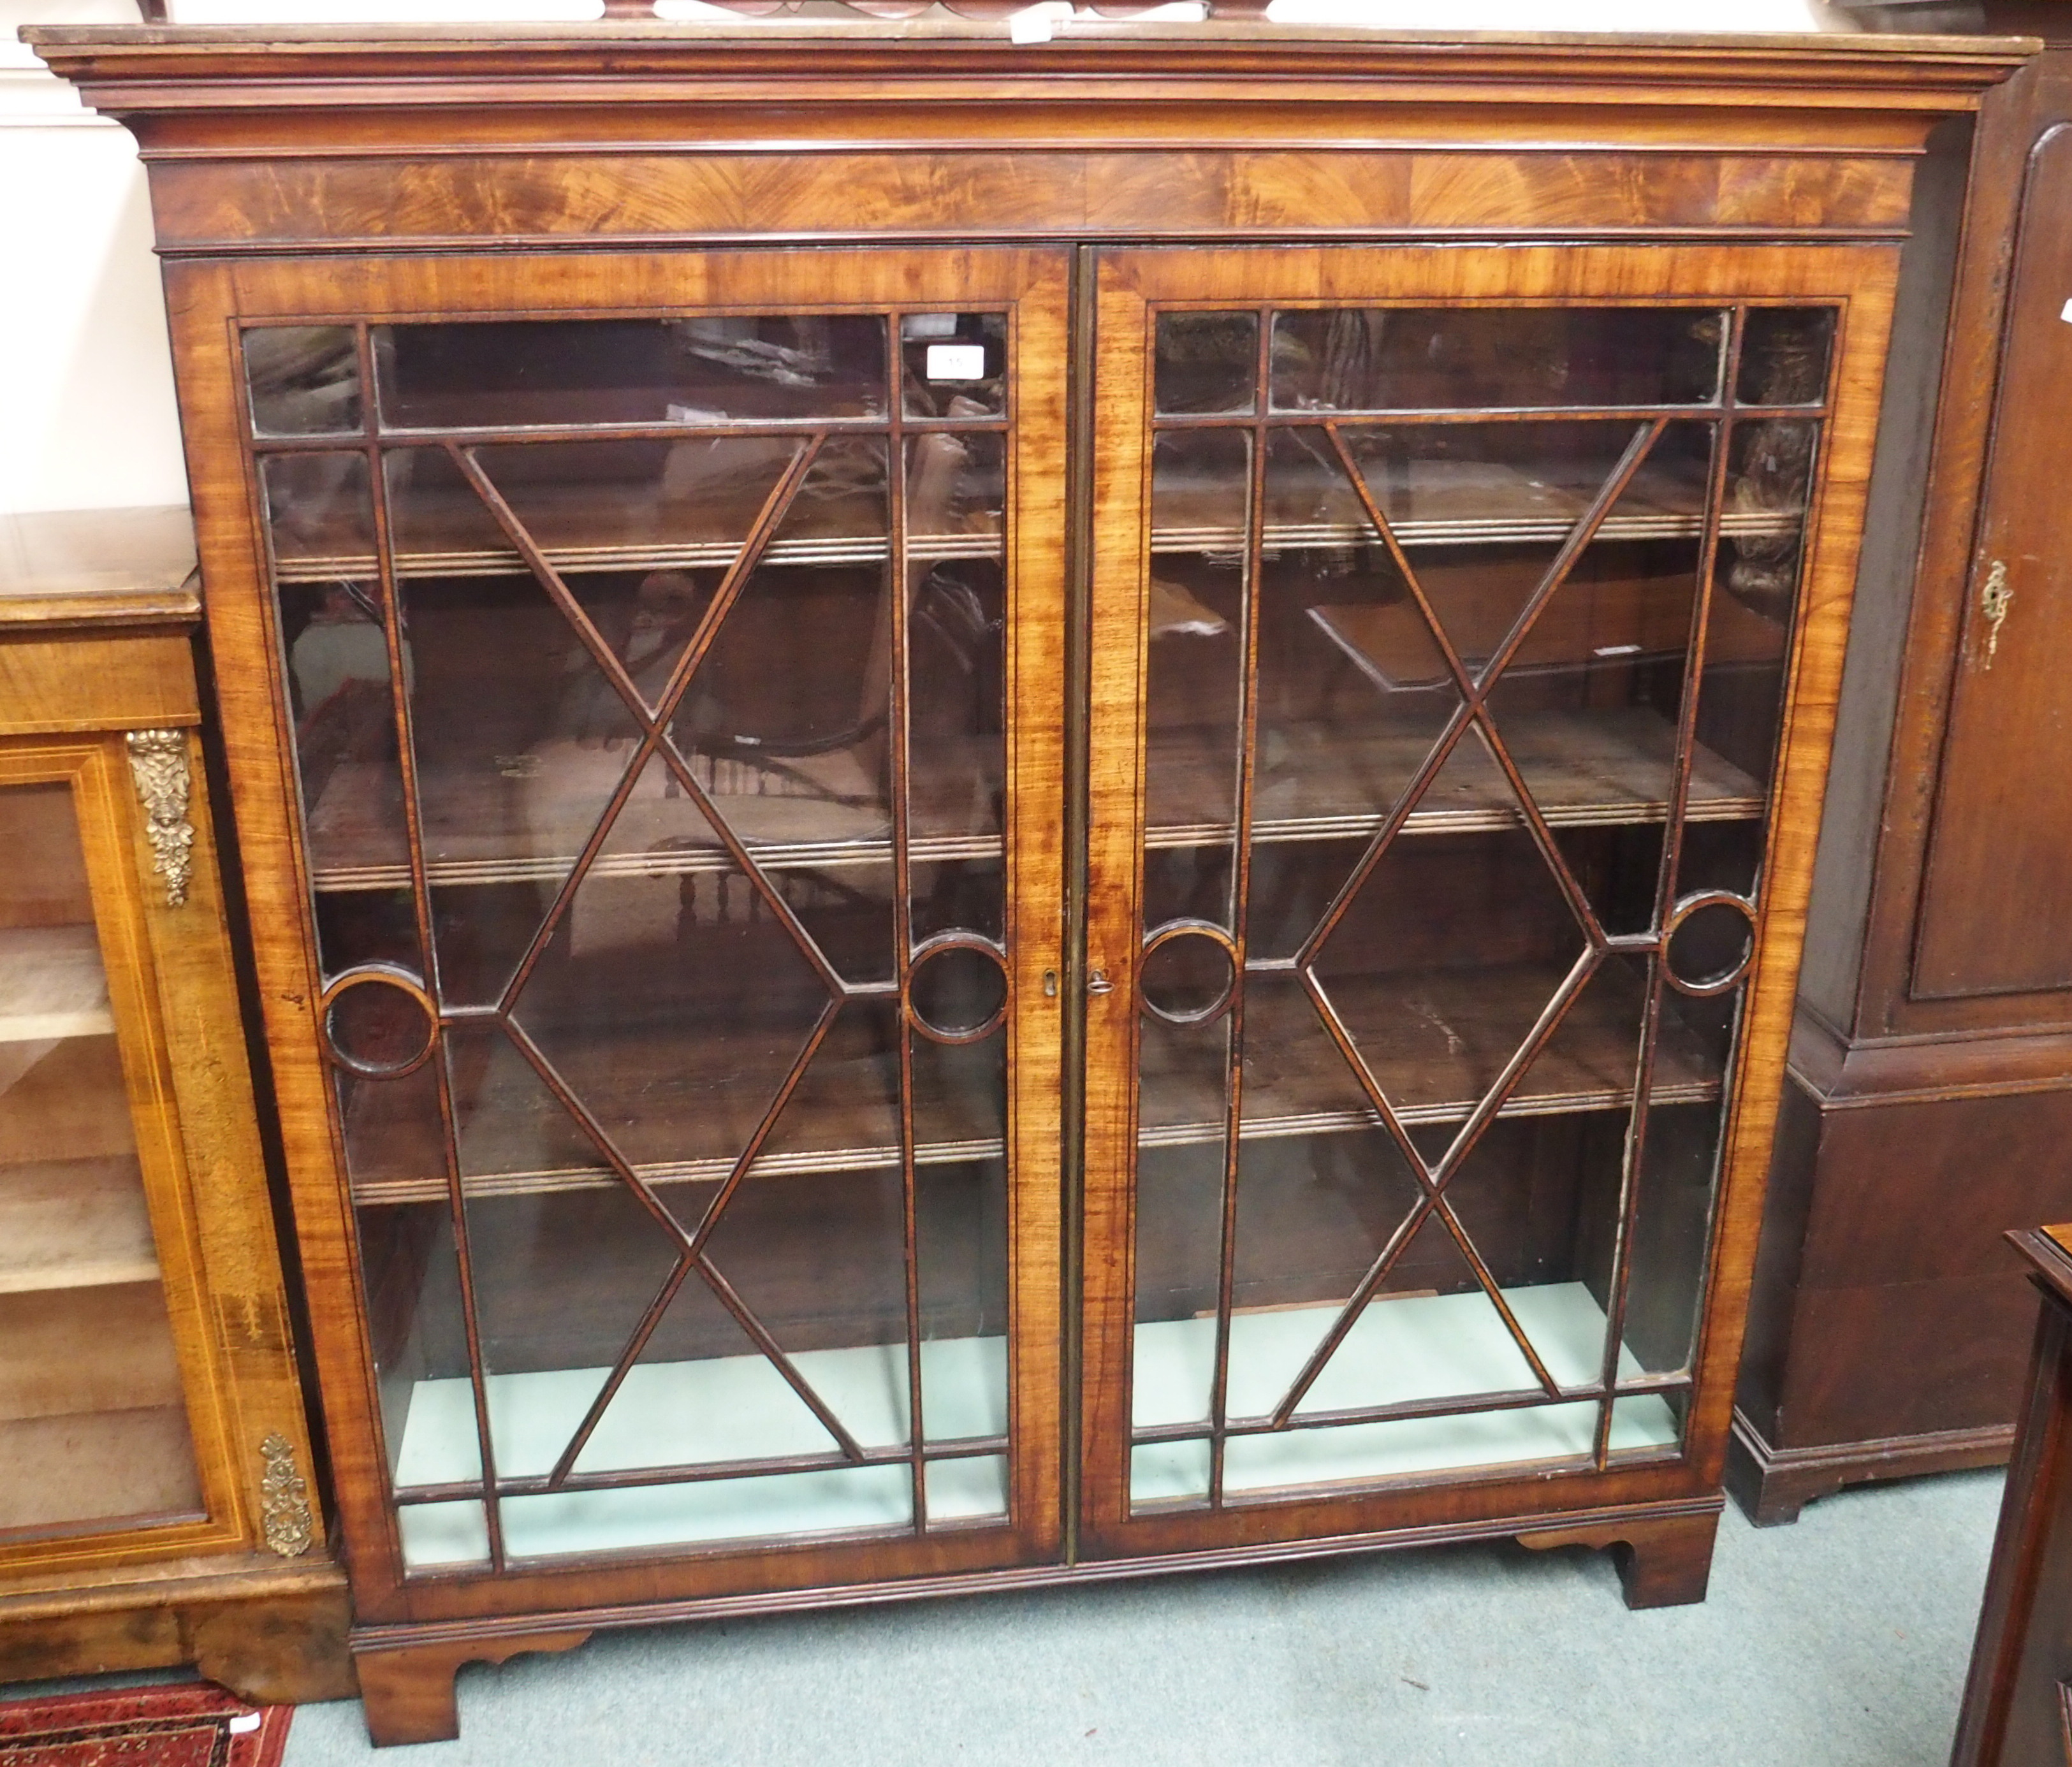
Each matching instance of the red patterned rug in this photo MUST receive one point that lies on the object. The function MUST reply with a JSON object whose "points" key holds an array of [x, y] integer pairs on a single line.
{"points": [[179, 1724]]}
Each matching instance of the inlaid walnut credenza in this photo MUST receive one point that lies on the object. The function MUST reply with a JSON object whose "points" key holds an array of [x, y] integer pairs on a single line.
{"points": [[157, 1502]]}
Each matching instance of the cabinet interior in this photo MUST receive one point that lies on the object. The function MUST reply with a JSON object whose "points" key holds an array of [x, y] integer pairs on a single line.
{"points": [[93, 1423], [648, 685]]}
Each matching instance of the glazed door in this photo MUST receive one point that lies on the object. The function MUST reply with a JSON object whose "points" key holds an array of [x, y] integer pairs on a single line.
{"points": [[669, 645], [104, 1331], [1444, 623]]}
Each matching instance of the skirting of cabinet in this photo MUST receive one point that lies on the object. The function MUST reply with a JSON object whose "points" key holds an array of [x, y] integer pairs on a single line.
{"points": [[272, 1634], [1888, 1327], [1664, 1552], [1773, 1485]]}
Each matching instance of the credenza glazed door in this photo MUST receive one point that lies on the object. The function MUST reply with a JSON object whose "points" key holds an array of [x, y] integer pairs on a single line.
{"points": [[669, 648], [1446, 615]]}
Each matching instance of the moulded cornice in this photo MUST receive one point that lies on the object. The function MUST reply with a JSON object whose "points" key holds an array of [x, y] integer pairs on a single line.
{"points": [[146, 71]]}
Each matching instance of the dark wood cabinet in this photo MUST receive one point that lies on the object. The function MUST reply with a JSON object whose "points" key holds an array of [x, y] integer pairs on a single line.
{"points": [[2017, 1710], [1019, 812], [1930, 1095]]}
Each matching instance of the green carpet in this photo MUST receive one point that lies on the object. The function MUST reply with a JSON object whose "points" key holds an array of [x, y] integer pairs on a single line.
{"points": [[1839, 1643]]}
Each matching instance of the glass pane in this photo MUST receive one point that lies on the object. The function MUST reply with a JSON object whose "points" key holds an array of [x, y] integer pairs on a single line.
{"points": [[1441, 649], [1552, 1433], [1785, 353], [845, 1500], [1671, 1234], [640, 520], [1755, 592], [320, 519], [785, 720], [1201, 484], [1438, 1002], [1179, 1207], [304, 380], [954, 364], [955, 621], [689, 1036], [442, 1534], [695, 371], [1206, 362], [418, 1326], [1381, 359], [1649, 1426], [967, 1491], [960, 1231], [93, 1425]]}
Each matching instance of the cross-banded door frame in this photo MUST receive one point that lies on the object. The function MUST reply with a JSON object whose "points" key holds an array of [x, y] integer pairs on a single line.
{"points": [[212, 303], [1133, 284]]}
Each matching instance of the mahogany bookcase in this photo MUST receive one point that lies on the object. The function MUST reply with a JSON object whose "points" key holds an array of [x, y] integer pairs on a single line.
{"points": [[1017, 810]]}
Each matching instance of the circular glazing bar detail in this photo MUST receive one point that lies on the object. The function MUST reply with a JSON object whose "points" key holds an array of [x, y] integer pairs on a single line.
{"points": [[956, 988], [1188, 975], [378, 1022], [1712, 931]]}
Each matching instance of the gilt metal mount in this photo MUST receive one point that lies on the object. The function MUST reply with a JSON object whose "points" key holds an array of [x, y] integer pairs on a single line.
{"points": [[158, 762], [284, 1500]]}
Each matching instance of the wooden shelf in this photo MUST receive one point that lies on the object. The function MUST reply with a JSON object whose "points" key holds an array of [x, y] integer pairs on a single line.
{"points": [[74, 1224], [1584, 769], [605, 527], [85, 1467], [1297, 1084], [1440, 502], [529, 827], [842, 1121], [51, 984], [582, 527], [643, 1083]]}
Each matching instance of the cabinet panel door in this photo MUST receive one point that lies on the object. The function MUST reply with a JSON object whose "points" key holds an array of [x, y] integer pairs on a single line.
{"points": [[668, 645], [1992, 919], [116, 1406], [1449, 857]]}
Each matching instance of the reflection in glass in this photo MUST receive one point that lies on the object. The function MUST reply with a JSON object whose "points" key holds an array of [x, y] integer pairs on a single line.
{"points": [[1206, 362], [303, 379], [1755, 591], [93, 1423], [1770, 470], [703, 370], [1383, 358], [1785, 351]]}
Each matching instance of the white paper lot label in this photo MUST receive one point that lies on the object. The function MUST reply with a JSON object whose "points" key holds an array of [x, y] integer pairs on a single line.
{"points": [[956, 362]]}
